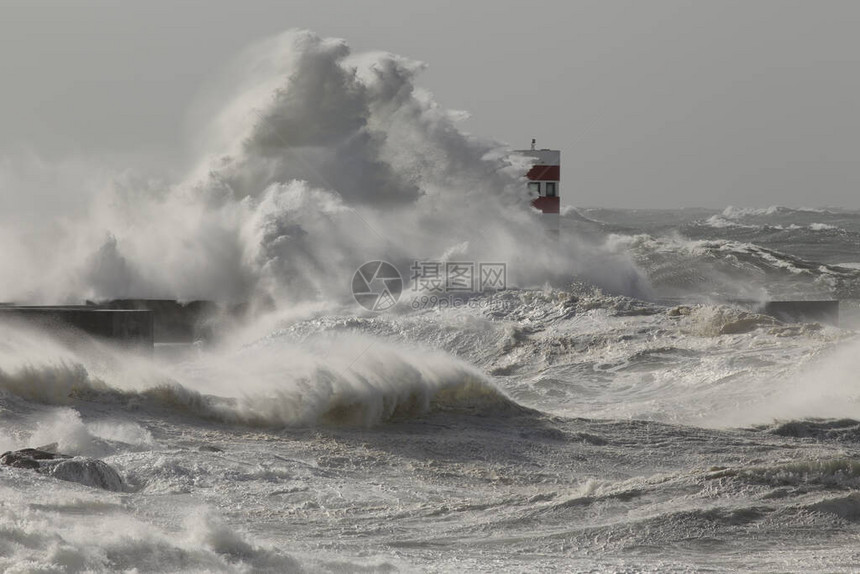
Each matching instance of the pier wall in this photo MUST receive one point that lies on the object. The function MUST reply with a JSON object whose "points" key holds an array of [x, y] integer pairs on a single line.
{"points": [[128, 327], [173, 321]]}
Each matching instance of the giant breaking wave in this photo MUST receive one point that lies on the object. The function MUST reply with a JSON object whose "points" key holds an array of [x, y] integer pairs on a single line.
{"points": [[312, 161]]}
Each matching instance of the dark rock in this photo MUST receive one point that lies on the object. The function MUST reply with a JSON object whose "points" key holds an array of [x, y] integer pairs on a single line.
{"points": [[28, 458], [86, 471], [19, 462]]}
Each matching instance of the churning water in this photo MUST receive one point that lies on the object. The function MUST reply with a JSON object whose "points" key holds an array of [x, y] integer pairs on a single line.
{"points": [[576, 420]]}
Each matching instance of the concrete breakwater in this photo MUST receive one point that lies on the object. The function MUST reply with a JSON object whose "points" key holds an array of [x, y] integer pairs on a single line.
{"points": [[128, 322], [128, 327], [172, 321]]}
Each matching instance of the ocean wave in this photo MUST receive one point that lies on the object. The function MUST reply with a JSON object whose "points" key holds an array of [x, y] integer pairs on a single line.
{"points": [[725, 268], [839, 472], [317, 158], [822, 227], [91, 535], [733, 212], [715, 320], [326, 399], [839, 430], [276, 383], [845, 507], [344, 380], [723, 222]]}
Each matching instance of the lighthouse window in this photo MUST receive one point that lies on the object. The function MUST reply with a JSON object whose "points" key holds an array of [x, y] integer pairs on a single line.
{"points": [[534, 186], [550, 189]]}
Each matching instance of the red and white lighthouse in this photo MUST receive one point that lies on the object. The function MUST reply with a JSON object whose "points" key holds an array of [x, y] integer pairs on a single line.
{"points": [[544, 179]]}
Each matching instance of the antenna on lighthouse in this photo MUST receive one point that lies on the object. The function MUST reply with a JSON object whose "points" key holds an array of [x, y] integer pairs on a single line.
{"points": [[534, 142]]}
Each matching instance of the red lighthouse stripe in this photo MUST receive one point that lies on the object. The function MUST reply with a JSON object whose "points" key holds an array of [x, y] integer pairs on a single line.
{"points": [[544, 173], [547, 204]]}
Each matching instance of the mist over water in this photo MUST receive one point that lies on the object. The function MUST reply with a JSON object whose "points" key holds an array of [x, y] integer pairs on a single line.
{"points": [[314, 161], [311, 161], [573, 421]]}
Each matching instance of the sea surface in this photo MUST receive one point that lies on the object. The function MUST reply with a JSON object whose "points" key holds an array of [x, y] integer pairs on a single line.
{"points": [[613, 408]]}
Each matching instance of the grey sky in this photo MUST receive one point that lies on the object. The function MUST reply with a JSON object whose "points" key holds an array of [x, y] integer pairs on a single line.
{"points": [[654, 104]]}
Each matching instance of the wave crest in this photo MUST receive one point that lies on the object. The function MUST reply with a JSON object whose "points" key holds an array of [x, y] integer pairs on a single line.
{"points": [[274, 383]]}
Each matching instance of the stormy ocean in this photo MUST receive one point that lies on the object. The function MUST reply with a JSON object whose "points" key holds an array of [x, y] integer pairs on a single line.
{"points": [[601, 404]]}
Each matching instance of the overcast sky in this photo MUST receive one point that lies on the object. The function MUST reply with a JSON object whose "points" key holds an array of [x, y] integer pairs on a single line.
{"points": [[653, 103]]}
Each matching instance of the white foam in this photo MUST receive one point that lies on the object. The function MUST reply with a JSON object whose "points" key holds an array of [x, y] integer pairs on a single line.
{"points": [[73, 530], [317, 161], [276, 381], [65, 428], [821, 227]]}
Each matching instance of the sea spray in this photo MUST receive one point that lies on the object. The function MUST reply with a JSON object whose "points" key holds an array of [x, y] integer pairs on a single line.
{"points": [[338, 379], [316, 160]]}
